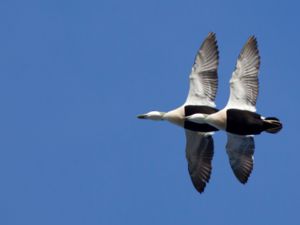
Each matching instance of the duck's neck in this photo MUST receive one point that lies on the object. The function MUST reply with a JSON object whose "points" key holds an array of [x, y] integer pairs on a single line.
{"points": [[175, 116], [217, 120]]}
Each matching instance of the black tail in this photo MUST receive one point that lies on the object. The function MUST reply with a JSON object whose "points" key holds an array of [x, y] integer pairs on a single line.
{"points": [[272, 125]]}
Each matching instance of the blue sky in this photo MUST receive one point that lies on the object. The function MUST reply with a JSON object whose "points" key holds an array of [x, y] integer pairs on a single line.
{"points": [[73, 76]]}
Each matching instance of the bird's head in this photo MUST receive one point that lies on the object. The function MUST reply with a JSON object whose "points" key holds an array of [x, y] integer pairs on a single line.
{"points": [[153, 115]]}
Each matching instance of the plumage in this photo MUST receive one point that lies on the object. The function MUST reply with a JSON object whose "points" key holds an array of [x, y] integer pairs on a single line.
{"points": [[192, 109], [244, 80], [199, 154], [199, 117], [204, 75], [240, 150], [244, 122], [202, 92], [238, 118], [244, 88]]}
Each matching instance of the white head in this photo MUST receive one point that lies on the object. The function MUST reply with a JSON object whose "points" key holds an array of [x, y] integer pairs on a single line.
{"points": [[197, 118], [153, 115]]}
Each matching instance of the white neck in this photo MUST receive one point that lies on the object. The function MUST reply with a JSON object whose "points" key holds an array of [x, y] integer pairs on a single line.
{"points": [[198, 118], [217, 119]]}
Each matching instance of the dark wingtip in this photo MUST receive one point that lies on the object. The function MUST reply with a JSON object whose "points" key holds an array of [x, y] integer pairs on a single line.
{"points": [[211, 34], [243, 175], [252, 41], [212, 39], [199, 187], [243, 178], [243, 181], [252, 38]]}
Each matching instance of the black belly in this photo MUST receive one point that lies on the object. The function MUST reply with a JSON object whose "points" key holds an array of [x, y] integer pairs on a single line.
{"points": [[193, 109], [243, 122]]}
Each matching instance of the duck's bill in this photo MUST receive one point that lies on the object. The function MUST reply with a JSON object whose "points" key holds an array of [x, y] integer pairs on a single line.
{"points": [[142, 116]]}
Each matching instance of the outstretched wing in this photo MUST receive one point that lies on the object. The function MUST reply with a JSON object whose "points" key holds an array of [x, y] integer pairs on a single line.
{"points": [[204, 75], [240, 150], [244, 80], [199, 154]]}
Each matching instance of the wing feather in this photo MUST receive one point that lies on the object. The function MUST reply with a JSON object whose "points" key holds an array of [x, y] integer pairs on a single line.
{"points": [[204, 75], [199, 154], [240, 150], [244, 81]]}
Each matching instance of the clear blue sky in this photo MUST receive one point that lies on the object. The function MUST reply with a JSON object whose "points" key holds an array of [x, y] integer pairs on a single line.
{"points": [[73, 76]]}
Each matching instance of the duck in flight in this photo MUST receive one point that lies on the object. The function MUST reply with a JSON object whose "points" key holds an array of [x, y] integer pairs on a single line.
{"points": [[200, 99], [200, 118], [239, 118]]}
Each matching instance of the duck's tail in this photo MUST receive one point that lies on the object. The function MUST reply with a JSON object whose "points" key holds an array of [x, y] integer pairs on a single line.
{"points": [[272, 125]]}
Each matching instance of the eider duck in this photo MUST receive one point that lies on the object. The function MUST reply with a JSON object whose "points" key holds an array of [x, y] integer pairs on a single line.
{"points": [[239, 118], [201, 96]]}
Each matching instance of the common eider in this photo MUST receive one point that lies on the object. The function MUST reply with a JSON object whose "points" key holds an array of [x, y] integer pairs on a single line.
{"points": [[239, 118], [201, 96]]}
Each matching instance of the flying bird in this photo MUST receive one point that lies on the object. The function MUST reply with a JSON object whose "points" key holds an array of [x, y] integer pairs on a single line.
{"points": [[199, 117], [239, 118], [200, 99]]}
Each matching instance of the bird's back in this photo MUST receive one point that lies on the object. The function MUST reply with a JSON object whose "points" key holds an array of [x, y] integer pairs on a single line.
{"points": [[243, 122], [193, 109]]}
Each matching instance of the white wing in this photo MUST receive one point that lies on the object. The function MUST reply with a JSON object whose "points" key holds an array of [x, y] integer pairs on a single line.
{"points": [[244, 80], [199, 154], [204, 75], [240, 150]]}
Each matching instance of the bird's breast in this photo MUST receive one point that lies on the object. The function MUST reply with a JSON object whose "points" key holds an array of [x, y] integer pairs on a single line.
{"points": [[176, 116], [218, 119]]}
